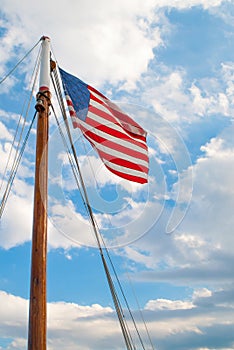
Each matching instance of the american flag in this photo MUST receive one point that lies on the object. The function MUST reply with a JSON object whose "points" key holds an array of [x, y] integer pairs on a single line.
{"points": [[119, 140]]}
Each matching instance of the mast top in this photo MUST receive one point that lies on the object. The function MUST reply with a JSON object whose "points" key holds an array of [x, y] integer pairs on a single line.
{"points": [[44, 84], [44, 37]]}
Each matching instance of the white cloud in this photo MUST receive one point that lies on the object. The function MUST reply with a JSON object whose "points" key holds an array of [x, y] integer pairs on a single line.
{"points": [[68, 228], [96, 326], [4, 133], [200, 251], [228, 73], [165, 304], [90, 327], [17, 219], [106, 34], [168, 94], [183, 4], [200, 104], [181, 101], [205, 231], [201, 293], [115, 40], [201, 246], [210, 211], [13, 319], [190, 241], [68, 323], [194, 319]]}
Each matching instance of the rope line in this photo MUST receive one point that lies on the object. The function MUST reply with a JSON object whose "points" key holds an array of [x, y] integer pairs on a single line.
{"points": [[22, 59], [14, 171], [33, 79], [73, 160], [81, 185], [19, 151], [141, 314], [125, 331]]}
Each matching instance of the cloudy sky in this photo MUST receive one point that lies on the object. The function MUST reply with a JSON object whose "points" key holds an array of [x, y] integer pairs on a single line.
{"points": [[170, 65]]}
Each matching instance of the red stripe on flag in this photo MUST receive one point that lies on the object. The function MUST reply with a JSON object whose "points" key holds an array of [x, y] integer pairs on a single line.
{"points": [[119, 140], [121, 162], [128, 176], [124, 120], [107, 127], [90, 88], [117, 160], [113, 145]]}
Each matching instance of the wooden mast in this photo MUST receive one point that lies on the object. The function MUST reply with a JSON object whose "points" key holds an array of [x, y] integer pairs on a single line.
{"points": [[37, 308]]}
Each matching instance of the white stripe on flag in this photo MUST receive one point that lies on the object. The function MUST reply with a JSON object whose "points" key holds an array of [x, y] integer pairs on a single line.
{"points": [[130, 142], [110, 137], [125, 170], [104, 108], [113, 152]]}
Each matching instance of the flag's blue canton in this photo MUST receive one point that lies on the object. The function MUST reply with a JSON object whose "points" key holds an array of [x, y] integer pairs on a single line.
{"points": [[78, 92]]}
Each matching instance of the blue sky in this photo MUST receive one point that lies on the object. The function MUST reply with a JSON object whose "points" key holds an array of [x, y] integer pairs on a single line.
{"points": [[170, 65]]}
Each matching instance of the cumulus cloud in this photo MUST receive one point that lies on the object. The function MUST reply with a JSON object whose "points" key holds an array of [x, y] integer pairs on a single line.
{"points": [[182, 4], [68, 228], [103, 47], [4, 133], [107, 36], [68, 323], [212, 193], [199, 251], [168, 322], [17, 219], [164, 304], [181, 101], [193, 319]]}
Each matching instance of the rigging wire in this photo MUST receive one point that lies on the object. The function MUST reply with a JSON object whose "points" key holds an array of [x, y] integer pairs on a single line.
{"points": [[141, 314], [69, 154], [19, 151], [123, 294], [112, 289], [73, 160], [32, 82], [79, 131], [59, 95], [13, 174], [120, 314], [22, 59], [99, 238], [80, 184], [105, 247]]}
